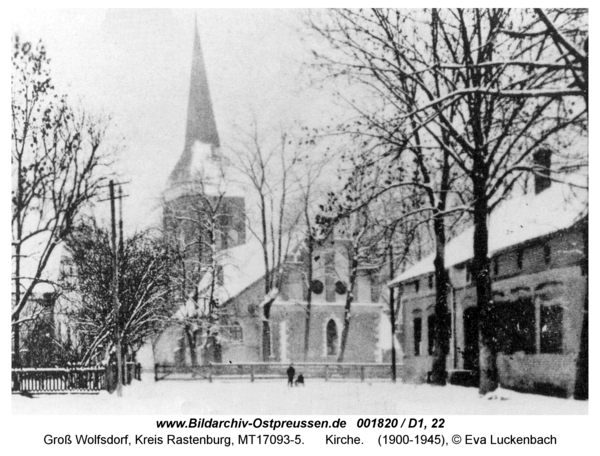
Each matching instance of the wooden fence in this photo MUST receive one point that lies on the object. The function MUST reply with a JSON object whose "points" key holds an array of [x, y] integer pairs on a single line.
{"points": [[58, 380], [257, 371], [71, 379]]}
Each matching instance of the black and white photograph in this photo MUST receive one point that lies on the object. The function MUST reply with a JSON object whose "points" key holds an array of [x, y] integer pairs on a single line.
{"points": [[344, 212]]}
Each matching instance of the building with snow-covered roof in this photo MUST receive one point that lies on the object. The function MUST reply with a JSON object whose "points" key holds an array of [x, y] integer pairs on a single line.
{"points": [[536, 245], [241, 293], [221, 309]]}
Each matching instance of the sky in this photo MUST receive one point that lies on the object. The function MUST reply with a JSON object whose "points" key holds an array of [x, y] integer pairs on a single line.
{"points": [[134, 66]]}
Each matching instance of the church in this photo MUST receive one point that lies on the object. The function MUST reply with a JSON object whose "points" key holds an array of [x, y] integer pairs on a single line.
{"points": [[222, 312]]}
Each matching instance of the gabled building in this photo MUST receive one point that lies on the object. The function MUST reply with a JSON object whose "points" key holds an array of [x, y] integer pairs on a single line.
{"points": [[204, 213], [242, 294], [536, 245]]}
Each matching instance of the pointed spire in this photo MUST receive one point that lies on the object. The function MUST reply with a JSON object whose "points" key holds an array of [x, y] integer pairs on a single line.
{"points": [[201, 126]]}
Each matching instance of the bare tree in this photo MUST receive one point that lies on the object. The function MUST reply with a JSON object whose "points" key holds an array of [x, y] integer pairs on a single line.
{"points": [[57, 169], [268, 164], [310, 189], [87, 291], [486, 100], [355, 230], [405, 154]]}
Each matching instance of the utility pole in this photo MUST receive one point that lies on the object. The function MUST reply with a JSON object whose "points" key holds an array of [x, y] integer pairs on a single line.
{"points": [[392, 310], [115, 290], [121, 245]]}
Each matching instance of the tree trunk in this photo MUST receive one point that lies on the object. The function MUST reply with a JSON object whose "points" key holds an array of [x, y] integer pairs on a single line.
{"points": [[309, 279], [192, 345], [581, 391], [393, 325], [349, 299], [488, 371], [392, 305], [16, 327], [442, 316]]}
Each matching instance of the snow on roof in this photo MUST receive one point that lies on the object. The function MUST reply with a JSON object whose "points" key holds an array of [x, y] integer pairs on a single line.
{"points": [[242, 266], [51, 272], [513, 222]]}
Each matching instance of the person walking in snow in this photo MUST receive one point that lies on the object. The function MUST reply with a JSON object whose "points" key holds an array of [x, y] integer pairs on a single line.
{"points": [[290, 373]]}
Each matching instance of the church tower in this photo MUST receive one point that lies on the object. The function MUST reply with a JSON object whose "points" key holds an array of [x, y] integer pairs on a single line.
{"points": [[202, 142], [203, 210]]}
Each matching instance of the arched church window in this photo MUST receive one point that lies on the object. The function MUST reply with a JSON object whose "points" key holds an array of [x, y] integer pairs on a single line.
{"points": [[237, 334], [332, 338]]}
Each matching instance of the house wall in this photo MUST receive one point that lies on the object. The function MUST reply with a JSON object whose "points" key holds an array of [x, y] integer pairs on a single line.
{"points": [[553, 280]]}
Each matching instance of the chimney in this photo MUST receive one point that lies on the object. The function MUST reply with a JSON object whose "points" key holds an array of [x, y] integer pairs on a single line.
{"points": [[542, 162]]}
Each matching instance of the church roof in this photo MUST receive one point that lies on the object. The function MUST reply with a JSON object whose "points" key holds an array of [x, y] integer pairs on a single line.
{"points": [[201, 126], [514, 222]]}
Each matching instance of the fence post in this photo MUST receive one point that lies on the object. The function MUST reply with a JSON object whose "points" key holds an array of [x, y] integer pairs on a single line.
{"points": [[252, 372], [326, 372], [156, 372], [111, 377], [210, 372], [362, 373], [16, 384]]}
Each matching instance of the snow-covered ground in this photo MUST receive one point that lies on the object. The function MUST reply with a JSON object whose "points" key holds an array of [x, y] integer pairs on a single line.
{"points": [[195, 397]]}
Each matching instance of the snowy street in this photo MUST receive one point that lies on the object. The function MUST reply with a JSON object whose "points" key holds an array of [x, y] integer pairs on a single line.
{"points": [[194, 397]]}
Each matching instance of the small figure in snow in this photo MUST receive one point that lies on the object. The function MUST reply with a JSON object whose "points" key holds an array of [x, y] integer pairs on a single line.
{"points": [[290, 373], [300, 380]]}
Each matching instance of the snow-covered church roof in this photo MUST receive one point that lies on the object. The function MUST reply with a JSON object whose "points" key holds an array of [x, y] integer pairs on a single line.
{"points": [[242, 266], [514, 221]]}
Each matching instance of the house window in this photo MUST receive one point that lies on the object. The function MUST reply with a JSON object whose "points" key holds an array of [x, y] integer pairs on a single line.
{"points": [[316, 287], [547, 254], [417, 286], [417, 335], [236, 332], [332, 338], [513, 326], [430, 334], [551, 318], [430, 280], [468, 268], [496, 266]]}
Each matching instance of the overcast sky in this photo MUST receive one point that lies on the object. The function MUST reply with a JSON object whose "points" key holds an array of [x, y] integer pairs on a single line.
{"points": [[135, 66]]}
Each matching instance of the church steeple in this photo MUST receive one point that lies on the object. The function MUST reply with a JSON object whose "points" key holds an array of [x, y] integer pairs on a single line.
{"points": [[201, 132]]}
